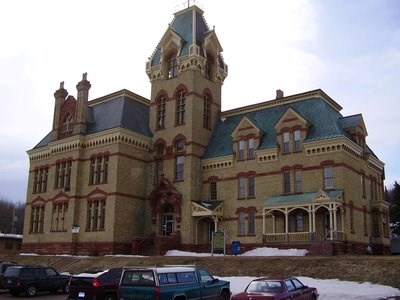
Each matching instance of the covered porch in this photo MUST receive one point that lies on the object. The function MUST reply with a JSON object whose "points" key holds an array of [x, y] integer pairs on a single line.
{"points": [[207, 214], [307, 217]]}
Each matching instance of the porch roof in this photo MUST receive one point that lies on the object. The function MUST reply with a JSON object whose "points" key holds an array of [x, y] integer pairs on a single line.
{"points": [[310, 197]]}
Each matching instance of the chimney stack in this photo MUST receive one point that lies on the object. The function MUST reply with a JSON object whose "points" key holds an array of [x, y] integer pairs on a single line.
{"points": [[279, 94], [59, 97], [82, 105]]}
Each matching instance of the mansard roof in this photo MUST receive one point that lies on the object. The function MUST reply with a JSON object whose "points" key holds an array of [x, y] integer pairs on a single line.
{"points": [[122, 109], [190, 25], [321, 112]]}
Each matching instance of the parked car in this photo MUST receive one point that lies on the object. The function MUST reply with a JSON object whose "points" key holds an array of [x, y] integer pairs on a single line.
{"points": [[274, 289], [3, 267], [31, 279], [172, 282], [99, 285]]}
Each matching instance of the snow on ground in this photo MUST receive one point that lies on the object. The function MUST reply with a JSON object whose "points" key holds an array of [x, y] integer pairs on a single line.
{"points": [[329, 289]]}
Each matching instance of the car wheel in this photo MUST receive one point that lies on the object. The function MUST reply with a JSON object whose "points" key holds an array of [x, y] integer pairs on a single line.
{"points": [[110, 297], [31, 291], [224, 296]]}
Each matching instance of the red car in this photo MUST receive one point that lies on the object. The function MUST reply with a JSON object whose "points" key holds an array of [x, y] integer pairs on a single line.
{"points": [[274, 289]]}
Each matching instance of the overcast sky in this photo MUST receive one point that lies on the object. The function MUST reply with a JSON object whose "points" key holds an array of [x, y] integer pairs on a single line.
{"points": [[349, 49]]}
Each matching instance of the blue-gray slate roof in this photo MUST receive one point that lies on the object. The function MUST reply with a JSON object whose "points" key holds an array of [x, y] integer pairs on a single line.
{"points": [[325, 122], [182, 25], [121, 111], [300, 198]]}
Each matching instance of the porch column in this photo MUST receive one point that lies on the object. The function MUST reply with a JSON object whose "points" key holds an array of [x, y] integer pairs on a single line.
{"points": [[330, 222], [215, 224], [335, 223], [286, 225], [273, 224], [263, 221]]}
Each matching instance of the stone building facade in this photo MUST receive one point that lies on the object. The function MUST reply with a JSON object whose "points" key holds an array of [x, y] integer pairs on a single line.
{"points": [[126, 174]]}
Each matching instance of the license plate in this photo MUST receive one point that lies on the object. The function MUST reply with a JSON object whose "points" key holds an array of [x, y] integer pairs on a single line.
{"points": [[81, 294]]}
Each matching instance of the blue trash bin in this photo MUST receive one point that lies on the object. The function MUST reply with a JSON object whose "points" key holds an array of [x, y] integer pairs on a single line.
{"points": [[235, 248]]}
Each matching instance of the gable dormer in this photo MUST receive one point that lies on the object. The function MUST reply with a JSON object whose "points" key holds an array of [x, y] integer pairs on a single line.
{"points": [[246, 138], [354, 125], [291, 130]]}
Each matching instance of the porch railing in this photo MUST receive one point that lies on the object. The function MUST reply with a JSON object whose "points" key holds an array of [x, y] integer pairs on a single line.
{"points": [[301, 237]]}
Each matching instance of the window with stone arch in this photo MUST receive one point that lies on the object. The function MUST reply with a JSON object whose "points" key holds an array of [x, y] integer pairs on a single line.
{"points": [[67, 124], [161, 111], [180, 107], [207, 111]]}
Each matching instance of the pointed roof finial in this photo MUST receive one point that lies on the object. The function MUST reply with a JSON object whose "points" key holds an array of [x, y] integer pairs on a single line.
{"points": [[61, 85], [84, 76]]}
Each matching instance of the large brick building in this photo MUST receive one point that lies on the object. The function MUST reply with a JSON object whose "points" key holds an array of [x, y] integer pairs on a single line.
{"points": [[124, 174]]}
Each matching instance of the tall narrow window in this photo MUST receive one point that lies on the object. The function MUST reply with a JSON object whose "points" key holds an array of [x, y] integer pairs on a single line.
{"points": [[180, 145], [179, 164], [250, 148], [328, 177], [67, 123], [37, 219], [180, 107], [213, 190], [365, 221], [95, 215], [298, 181], [351, 217], [363, 190], [161, 112], [297, 143], [158, 170], [242, 187], [58, 216], [251, 223], [251, 190], [286, 142], [242, 223], [208, 67], [286, 182], [206, 112], [40, 180], [63, 174], [241, 149], [299, 223], [172, 66], [375, 224], [98, 169]]}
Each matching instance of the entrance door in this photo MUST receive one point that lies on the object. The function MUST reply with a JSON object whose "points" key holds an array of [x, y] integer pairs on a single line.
{"points": [[167, 224]]}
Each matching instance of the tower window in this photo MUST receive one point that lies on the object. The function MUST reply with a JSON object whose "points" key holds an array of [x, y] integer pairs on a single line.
{"points": [[207, 112], [208, 68], [172, 66], [328, 177], [179, 164], [180, 107], [161, 112]]}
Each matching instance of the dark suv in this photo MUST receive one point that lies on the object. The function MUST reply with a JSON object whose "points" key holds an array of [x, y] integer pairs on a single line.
{"points": [[3, 267], [31, 279], [95, 285]]}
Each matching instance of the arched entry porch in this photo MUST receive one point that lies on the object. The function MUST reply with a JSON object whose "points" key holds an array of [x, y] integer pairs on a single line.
{"points": [[304, 218], [207, 215]]}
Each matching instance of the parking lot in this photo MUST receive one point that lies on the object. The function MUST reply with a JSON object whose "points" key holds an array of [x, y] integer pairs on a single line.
{"points": [[41, 296]]}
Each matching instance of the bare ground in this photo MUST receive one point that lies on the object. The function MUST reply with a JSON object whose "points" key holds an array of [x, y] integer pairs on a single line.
{"points": [[376, 269]]}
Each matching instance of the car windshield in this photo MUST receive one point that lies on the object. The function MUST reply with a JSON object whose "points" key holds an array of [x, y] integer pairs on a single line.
{"points": [[266, 286]]}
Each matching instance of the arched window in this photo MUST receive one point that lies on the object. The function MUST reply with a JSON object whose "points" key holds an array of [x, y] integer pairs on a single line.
{"points": [[161, 112], [180, 107], [67, 123], [172, 66], [207, 111]]}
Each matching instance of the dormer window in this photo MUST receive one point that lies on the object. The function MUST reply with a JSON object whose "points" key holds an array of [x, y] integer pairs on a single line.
{"points": [[286, 142], [67, 124], [208, 67], [297, 143], [172, 66]]}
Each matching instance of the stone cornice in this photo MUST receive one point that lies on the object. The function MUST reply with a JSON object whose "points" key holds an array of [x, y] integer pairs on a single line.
{"points": [[375, 163], [333, 145], [285, 100], [107, 137], [221, 162]]}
